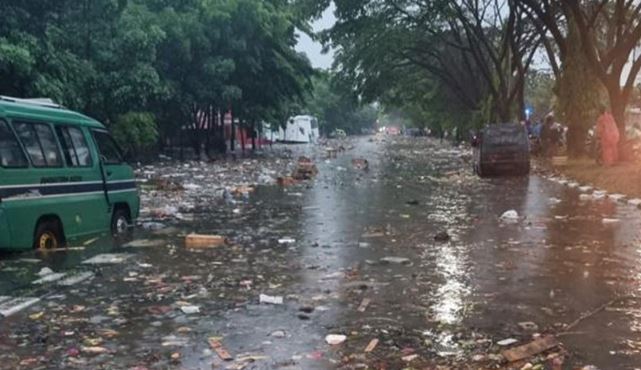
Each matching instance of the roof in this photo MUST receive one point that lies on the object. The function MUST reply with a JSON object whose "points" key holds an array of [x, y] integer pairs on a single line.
{"points": [[40, 109]]}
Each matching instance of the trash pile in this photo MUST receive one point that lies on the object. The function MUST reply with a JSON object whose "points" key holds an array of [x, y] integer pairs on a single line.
{"points": [[173, 191]]}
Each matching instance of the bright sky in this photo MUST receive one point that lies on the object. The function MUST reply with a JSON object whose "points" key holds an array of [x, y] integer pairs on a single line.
{"points": [[314, 49]]}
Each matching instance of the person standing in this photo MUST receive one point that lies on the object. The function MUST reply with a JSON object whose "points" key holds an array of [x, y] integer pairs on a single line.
{"points": [[548, 136], [608, 135]]}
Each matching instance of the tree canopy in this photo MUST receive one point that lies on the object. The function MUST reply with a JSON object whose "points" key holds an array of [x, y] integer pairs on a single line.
{"points": [[176, 63]]}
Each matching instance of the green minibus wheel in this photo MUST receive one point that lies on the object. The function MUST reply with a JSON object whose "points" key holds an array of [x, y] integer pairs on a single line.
{"points": [[47, 236]]}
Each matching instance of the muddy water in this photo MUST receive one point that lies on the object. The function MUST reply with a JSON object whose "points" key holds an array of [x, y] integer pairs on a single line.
{"points": [[443, 301]]}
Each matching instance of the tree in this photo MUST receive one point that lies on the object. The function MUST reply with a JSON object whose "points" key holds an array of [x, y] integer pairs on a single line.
{"points": [[487, 42], [609, 32], [579, 94], [185, 63], [137, 131], [336, 107], [540, 93], [270, 73]]}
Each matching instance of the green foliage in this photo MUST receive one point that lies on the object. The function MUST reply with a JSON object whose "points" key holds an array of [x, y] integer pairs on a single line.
{"points": [[337, 108], [580, 94], [539, 93], [136, 131], [174, 59]]}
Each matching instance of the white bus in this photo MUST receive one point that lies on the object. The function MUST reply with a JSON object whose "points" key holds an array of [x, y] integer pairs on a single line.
{"points": [[300, 129]]}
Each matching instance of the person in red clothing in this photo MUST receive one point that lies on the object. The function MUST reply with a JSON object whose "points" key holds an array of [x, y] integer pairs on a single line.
{"points": [[608, 134]]}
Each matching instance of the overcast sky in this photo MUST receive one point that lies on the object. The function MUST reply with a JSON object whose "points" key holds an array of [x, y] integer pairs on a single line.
{"points": [[314, 49]]}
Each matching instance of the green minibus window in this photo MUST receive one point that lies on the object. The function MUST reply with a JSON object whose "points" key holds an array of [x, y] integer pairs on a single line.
{"points": [[67, 147], [74, 146], [82, 148], [107, 147], [31, 144], [40, 143], [11, 155]]}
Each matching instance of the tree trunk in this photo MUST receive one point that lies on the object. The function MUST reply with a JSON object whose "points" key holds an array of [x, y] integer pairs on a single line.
{"points": [[502, 111], [617, 105], [232, 139], [242, 136], [253, 134], [180, 142], [577, 135]]}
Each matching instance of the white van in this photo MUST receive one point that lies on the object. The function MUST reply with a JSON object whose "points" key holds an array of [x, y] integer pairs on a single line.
{"points": [[300, 130]]}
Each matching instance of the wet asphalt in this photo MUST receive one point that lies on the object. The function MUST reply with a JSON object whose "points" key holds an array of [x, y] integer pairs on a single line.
{"points": [[447, 302]]}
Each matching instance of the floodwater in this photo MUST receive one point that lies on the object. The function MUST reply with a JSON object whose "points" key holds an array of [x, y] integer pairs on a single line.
{"points": [[447, 302]]}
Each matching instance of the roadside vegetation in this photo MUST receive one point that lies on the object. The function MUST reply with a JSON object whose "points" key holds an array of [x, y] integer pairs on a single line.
{"points": [[463, 64]]}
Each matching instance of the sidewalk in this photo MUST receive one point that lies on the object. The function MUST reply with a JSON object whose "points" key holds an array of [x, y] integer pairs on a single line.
{"points": [[623, 178]]}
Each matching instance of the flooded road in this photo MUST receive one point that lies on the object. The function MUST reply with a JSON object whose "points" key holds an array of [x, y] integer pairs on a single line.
{"points": [[410, 252]]}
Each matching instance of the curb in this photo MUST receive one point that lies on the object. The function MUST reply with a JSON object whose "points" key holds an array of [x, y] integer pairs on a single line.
{"points": [[590, 190]]}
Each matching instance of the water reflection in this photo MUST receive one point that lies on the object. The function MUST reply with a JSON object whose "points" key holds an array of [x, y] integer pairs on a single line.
{"points": [[451, 295]]}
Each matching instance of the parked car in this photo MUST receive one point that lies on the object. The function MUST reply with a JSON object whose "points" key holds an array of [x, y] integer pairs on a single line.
{"points": [[62, 177], [501, 149], [415, 132]]}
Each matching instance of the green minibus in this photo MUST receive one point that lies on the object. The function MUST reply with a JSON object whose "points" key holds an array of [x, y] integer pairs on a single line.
{"points": [[62, 177]]}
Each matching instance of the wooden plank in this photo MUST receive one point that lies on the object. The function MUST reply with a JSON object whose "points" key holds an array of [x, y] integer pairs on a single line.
{"points": [[217, 346], [530, 349], [203, 241], [364, 303], [372, 344]]}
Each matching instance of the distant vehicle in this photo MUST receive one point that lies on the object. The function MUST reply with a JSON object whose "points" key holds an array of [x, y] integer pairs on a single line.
{"points": [[300, 130], [62, 177], [391, 130], [415, 132], [501, 149], [338, 133]]}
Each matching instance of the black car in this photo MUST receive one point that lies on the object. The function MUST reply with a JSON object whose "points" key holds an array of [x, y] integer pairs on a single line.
{"points": [[501, 149]]}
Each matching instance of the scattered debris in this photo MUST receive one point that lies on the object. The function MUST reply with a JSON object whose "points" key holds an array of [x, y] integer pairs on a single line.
{"points": [[45, 271], [216, 345], [528, 326], [409, 358], [363, 306], [286, 181], [360, 164], [335, 339], [372, 344], [507, 342], [443, 237], [14, 305], [204, 241], [145, 243], [528, 350], [50, 278], [286, 241], [397, 260], [610, 221], [107, 259], [189, 310], [75, 279], [510, 216], [306, 169], [263, 298], [636, 202]]}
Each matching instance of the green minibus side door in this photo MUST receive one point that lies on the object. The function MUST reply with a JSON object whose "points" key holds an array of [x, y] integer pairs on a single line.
{"points": [[87, 211], [118, 176]]}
